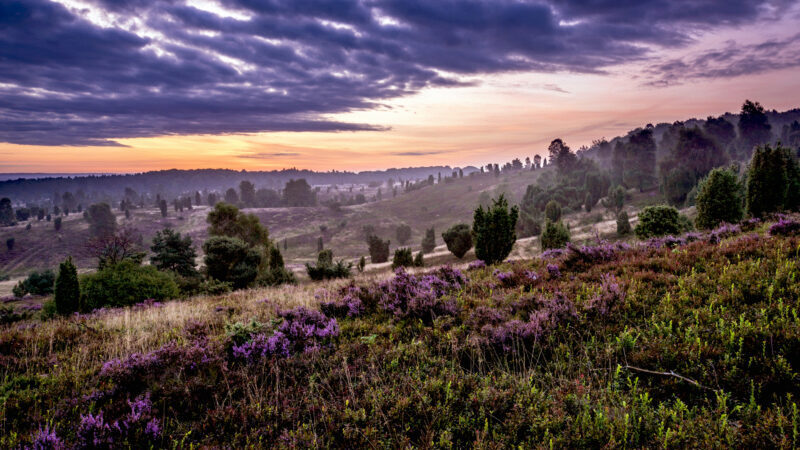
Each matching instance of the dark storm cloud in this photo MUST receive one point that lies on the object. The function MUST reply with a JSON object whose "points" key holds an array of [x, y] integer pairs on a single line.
{"points": [[65, 80]]}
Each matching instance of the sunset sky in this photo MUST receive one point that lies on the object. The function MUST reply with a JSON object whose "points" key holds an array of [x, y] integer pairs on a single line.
{"points": [[135, 85]]}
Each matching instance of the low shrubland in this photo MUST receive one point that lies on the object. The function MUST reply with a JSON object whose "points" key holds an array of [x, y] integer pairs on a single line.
{"points": [[677, 341]]}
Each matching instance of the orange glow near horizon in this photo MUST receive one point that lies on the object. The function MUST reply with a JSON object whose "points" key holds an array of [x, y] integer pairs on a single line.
{"points": [[504, 117]]}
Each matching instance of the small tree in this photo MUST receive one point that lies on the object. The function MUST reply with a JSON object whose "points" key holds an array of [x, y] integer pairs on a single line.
{"points": [[162, 205], [10, 243], [326, 269], [623, 224], [402, 258], [555, 235], [67, 291], [6, 212], [403, 234], [773, 181], [429, 241], [57, 224], [102, 221], [419, 260], [588, 202], [232, 260], [719, 199], [659, 220], [173, 252], [552, 211], [378, 249], [114, 248], [458, 239], [615, 200], [493, 230], [362, 263]]}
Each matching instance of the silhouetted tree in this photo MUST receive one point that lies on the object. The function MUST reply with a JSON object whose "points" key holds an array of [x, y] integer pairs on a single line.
{"points": [[378, 249], [6, 212], [247, 193], [754, 127], [299, 193], [231, 196]]}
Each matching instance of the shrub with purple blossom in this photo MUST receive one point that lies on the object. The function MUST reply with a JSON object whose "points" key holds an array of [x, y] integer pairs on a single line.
{"points": [[552, 253], [477, 264], [784, 227], [409, 296], [610, 295], [723, 231], [46, 439], [139, 426], [505, 278], [349, 303], [553, 271], [550, 314]]}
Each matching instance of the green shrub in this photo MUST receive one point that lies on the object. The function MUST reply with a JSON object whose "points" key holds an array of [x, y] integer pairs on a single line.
{"points": [[275, 272], [419, 260], [173, 252], [125, 283], [102, 221], [773, 181], [719, 199], [458, 239], [429, 241], [555, 235], [214, 287], [232, 260], [402, 258], [494, 231], [362, 263], [49, 309], [37, 283], [658, 220], [552, 211], [67, 291], [623, 224], [378, 249], [327, 269]]}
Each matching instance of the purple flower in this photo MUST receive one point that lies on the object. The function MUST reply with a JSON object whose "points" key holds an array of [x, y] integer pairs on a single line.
{"points": [[409, 296], [477, 264], [552, 253], [46, 439], [723, 231], [554, 271], [784, 227], [349, 305], [611, 294], [505, 277]]}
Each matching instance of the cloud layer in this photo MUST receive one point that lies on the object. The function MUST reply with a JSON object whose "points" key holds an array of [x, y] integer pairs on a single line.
{"points": [[90, 73]]}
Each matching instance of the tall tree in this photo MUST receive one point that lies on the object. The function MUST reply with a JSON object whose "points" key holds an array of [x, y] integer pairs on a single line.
{"points": [[299, 193], [231, 196], [561, 155], [247, 193], [494, 230], [720, 129], [754, 127], [173, 252], [226, 220], [102, 222], [6, 212], [67, 291]]}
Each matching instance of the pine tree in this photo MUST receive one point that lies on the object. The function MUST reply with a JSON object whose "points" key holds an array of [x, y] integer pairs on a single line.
{"points": [[429, 241], [494, 230], [67, 290]]}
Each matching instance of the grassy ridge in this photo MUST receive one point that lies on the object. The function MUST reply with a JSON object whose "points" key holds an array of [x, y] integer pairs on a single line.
{"points": [[670, 343]]}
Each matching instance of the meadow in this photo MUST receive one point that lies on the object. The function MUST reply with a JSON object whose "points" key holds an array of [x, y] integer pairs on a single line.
{"points": [[669, 342]]}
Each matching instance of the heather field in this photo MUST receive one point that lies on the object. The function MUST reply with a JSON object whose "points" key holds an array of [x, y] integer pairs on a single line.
{"points": [[671, 342]]}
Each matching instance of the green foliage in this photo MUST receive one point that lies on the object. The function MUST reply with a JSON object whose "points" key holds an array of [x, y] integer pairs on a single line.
{"points": [[37, 283], [299, 193], [429, 241], [623, 224], [173, 252], [552, 211], [102, 222], [403, 234], [754, 127], [232, 260], [419, 260], [124, 284], [773, 181], [494, 231], [677, 184], [615, 200], [275, 272], [327, 269], [67, 291], [555, 235], [6, 212], [458, 239], [402, 258], [719, 199], [660, 220], [362, 263], [247, 193], [226, 220], [378, 249]]}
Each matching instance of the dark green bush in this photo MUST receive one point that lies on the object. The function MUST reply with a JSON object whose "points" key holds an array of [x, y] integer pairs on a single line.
{"points": [[552, 211], [125, 283], [658, 220], [494, 230], [232, 260], [623, 224], [429, 241], [719, 199], [327, 269], [173, 252], [419, 260], [555, 235], [458, 239], [378, 249], [37, 283], [402, 258], [67, 291]]}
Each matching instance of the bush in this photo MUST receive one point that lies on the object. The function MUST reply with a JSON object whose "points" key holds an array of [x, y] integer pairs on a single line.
{"points": [[174, 253], [429, 241], [10, 243], [327, 269], [378, 249], [67, 290], [552, 211], [458, 239], [362, 263], [403, 234], [402, 258], [37, 283], [773, 181], [623, 224], [275, 273], [124, 284], [419, 260], [555, 235], [102, 221], [231, 260], [494, 231], [718, 200], [658, 220]]}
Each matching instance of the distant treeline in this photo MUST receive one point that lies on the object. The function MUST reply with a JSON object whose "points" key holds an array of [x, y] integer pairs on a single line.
{"points": [[174, 183]]}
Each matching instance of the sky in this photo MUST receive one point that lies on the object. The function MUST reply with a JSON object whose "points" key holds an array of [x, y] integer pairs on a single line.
{"points": [[136, 85]]}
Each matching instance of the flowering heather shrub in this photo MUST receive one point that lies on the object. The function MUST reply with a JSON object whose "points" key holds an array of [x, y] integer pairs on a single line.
{"points": [[530, 277], [349, 303], [552, 253], [149, 303], [657, 243], [723, 231], [551, 313], [506, 278], [784, 227], [477, 264], [303, 330], [46, 439], [554, 271], [409, 296], [137, 427], [611, 294], [750, 224], [603, 252]]}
